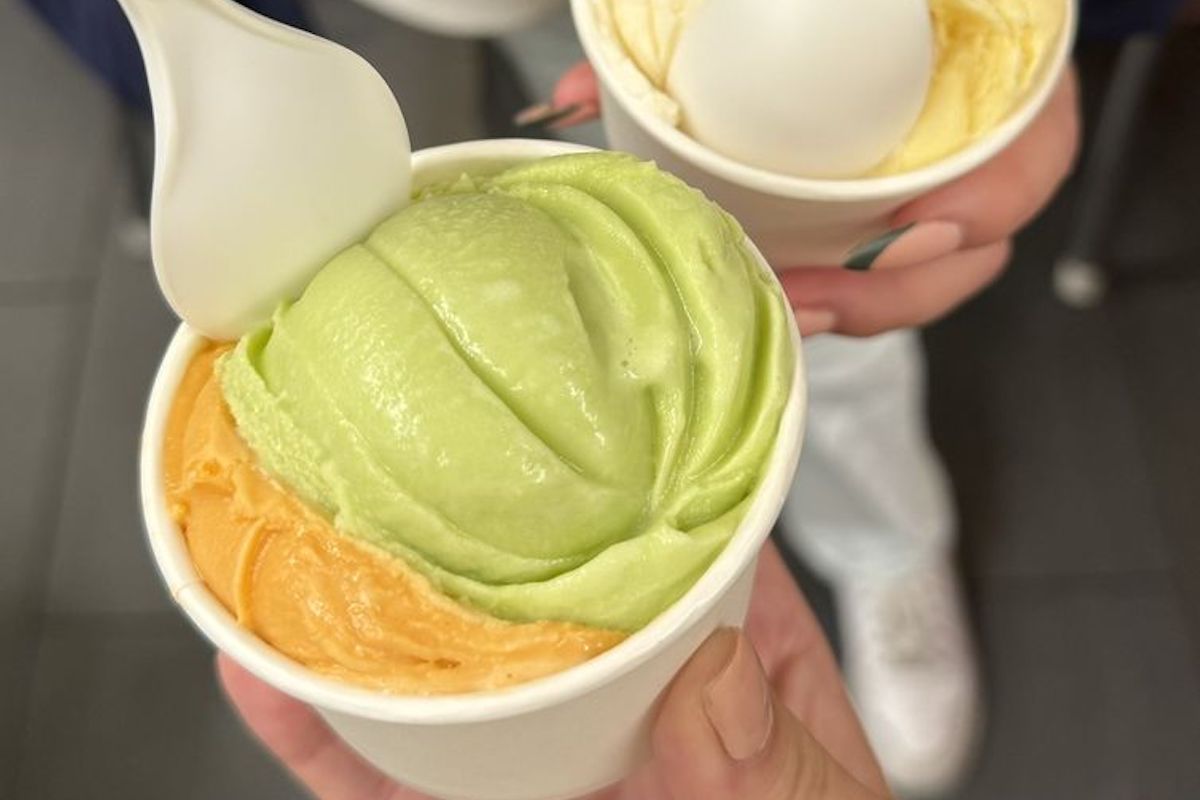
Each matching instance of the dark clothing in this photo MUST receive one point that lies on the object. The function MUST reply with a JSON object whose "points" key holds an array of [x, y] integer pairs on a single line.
{"points": [[100, 35], [98, 32], [1116, 19]]}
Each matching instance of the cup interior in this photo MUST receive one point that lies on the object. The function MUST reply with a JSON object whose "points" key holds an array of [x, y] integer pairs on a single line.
{"points": [[907, 184], [219, 626]]}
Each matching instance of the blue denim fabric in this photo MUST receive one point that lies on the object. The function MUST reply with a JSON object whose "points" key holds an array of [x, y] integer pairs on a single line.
{"points": [[99, 34]]}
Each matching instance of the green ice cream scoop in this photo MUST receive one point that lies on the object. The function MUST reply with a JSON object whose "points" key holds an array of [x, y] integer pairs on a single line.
{"points": [[553, 390]]}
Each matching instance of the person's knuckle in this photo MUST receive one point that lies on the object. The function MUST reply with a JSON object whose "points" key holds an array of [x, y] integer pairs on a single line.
{"points": [[1024, 183], [1073, 138], [856, 322], [1002, 255], [989, 264], [877, 327], [1030, 185], [994, 261], [1071, 125]]}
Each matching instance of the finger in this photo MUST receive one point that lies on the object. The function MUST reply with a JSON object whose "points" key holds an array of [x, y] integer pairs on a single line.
{"points": [[801, 667], [578, 87], [865, 304], [722, 733], [576, 98], [989, 204], [814, 321], [303, 742], [996, 200]]}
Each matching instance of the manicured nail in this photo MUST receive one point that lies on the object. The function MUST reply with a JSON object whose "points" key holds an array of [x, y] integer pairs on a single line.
{"points": [[544, 114], [812, 321], [581, 113], [738, 704], [907, 245], [550, 115]]}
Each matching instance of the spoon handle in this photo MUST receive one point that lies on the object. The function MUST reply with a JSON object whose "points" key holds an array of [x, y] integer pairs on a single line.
{"points": [[274, 150], [171, 33], [186, 26]]}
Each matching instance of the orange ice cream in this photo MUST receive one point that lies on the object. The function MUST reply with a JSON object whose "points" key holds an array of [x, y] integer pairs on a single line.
{"points": [[324, 599]]}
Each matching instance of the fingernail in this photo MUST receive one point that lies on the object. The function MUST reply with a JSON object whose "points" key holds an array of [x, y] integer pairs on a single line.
{"points": [[738, 704], [907, 245], [550, 115], [544, 114], [581, 113], [812, 321]]}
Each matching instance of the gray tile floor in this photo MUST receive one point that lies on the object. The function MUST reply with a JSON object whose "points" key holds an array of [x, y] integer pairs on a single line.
{"points": [[1072, 437]]}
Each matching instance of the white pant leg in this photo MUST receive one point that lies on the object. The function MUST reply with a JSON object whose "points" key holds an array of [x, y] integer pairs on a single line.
{"points": [[869, 493]]}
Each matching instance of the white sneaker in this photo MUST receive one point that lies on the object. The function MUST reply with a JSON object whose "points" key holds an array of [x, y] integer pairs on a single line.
{"points": [[910, 666]]}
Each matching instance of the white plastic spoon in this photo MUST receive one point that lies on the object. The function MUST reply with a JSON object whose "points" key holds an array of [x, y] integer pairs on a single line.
{"points": [[274, 149], [815, 88]]}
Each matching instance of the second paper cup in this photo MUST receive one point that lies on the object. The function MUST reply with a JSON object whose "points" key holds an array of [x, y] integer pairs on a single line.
{"points": [[794, 221]]}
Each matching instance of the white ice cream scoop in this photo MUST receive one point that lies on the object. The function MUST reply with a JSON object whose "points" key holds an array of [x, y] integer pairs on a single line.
{"points": [[815, 88], [274, 150]]}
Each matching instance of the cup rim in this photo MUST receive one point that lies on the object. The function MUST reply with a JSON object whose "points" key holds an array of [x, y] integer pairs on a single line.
{"points": [[211, 618], [909, 183], [473, 19]]}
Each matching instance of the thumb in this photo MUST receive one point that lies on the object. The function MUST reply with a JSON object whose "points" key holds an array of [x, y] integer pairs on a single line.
{"points": [[722, 733]]}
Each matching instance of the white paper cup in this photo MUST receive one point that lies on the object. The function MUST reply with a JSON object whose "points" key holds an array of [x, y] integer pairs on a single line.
{"points": [[794, 221], [556, 737], [466, 17]]}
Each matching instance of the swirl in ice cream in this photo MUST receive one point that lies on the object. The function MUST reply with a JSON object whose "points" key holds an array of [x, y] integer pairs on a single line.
{"points": [[548, 395], [322, 598]]}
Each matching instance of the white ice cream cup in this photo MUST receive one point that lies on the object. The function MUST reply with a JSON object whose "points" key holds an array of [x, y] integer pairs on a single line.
{"points": [[556, 737], [466, 17], [794, 221]]}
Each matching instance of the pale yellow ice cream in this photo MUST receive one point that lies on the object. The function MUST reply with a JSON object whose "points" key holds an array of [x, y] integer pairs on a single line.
{"points": [[648, 30], [990, 53]]}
